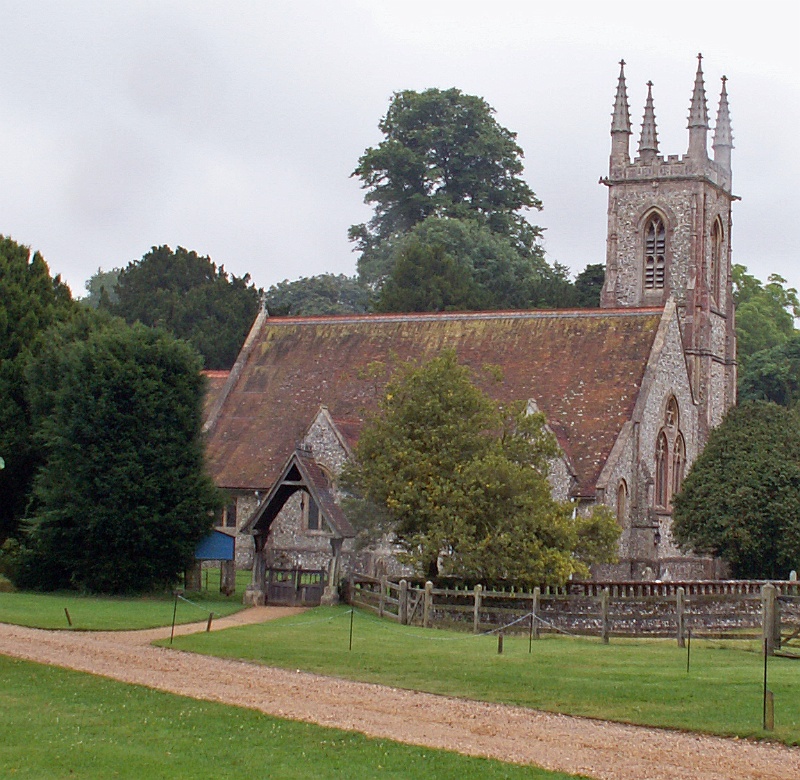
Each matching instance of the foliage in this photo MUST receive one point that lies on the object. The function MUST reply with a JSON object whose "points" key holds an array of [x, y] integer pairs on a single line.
{"points": [[101, 288], [323, 294], [445, 155], [445, 263], [631, 680], [741, 498], [463, 480], [589, 285], [773, 374], [122, 497], [91, 727], [193, 299], [30, 302], [765, 313]]}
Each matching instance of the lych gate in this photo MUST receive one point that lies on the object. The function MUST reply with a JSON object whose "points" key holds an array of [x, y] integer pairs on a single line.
{"points": [[301, 473]]}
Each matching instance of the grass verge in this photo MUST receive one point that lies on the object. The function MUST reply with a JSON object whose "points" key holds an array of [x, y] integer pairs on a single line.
{"points": [[89, 727], [96, 613], [635, 681]]}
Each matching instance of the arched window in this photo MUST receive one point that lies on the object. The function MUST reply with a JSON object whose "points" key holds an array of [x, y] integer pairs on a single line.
{"points": [[622, 502], [716, 258], [678, 464], [670, 460], [655, 251], [662, 470]]}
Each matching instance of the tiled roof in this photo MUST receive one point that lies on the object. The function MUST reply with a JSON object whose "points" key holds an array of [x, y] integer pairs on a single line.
{"points": [[215, 381], [583, 368]]}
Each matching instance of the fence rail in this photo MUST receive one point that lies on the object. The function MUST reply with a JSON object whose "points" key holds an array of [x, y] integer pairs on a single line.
{"points": [[714, 609]]}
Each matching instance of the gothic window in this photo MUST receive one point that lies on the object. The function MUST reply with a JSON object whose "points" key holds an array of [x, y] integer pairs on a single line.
{"points": [[716, 258], [678, 464], [670, 457], [622, 502], [662, 469], [655, 250]]}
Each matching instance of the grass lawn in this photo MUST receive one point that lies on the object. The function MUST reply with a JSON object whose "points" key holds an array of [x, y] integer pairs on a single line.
{"points": [[96, 613], [635, 681], [63, 724]]}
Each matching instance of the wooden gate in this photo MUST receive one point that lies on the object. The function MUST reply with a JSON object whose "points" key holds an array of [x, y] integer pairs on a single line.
{"points": [[295, 587]]}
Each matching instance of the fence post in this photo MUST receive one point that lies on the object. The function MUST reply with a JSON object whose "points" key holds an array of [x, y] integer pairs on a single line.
{"points": [[402, 608], [768, 617], [426, 610], [680, 605], [604, 599], [382, 597], [537, 595], [476, 609]]}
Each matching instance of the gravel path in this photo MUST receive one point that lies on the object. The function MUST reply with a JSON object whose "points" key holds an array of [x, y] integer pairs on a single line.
{"points": [[598, 749]]}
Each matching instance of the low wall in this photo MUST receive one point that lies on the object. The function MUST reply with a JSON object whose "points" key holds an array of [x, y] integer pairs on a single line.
{"points": [[714, 609]]}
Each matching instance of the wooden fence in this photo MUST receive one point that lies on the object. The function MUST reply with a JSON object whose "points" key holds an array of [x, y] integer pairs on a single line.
{"points": [[730, 609]]}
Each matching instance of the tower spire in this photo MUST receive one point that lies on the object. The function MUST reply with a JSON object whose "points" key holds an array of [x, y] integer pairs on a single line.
{"points": [[723, 136], [648, 141], [621, 120], [698, 116]]}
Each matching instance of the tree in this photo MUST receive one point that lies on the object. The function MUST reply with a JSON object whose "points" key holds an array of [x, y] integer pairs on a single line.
{"points": [[443, 155], [765, 313], [30, 302], [741, 498], [485, 271], [189, 296], [463, 482], [323, 294], [122, 497], [589, 285], [427, 278], [101, 288], [773, 374]]}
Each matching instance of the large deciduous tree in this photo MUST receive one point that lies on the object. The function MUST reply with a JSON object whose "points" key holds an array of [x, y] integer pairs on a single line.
{"points": [[30, 302], [192, 298], [461, 482], [122, 496], [445, 155], [741, 499]]}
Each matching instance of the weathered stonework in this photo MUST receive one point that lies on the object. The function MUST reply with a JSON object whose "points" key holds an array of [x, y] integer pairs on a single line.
{"points": [[689, 198]]}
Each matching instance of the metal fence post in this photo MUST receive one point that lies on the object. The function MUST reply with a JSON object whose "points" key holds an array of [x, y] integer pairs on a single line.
{"points": [[537, 595]]}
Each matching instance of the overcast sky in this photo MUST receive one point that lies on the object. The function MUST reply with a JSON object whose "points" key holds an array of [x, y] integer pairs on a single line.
{"points": [[231, 128]]}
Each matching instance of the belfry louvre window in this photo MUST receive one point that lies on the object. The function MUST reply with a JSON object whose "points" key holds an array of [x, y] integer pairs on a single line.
{"points": [[655, 249]]}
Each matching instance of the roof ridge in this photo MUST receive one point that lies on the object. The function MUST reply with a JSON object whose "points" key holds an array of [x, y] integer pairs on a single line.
{"points": [[480, 315]]}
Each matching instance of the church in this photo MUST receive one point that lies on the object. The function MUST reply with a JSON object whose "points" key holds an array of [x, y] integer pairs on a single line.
{"points": [[630, 390]]}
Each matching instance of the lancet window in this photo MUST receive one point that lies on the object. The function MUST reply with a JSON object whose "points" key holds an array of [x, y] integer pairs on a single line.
{"points": [[655, 253], [622, 502], [670, 457], [716, 258]]}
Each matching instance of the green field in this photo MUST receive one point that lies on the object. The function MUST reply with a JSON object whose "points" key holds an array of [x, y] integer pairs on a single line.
{"points": [[635, 681], [95, 613], [61, 724]]}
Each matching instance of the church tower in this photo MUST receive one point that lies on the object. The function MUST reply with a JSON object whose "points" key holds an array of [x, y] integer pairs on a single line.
{"points": [[669, 236]]}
